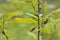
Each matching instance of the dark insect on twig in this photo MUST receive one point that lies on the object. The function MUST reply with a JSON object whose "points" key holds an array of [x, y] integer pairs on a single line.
{"points": [[33, 29], [3, 32], [44, 22]]}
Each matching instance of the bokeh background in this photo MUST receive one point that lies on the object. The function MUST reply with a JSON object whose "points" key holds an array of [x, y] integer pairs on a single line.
{"points": [[17, 19]]}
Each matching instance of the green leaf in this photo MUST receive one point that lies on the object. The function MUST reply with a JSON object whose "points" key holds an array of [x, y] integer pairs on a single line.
{"points": [[45, 7], [55, 14], [23, 20]]}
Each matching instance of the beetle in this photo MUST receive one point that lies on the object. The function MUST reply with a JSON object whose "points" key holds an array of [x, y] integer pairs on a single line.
{"points": [[44, 22]]}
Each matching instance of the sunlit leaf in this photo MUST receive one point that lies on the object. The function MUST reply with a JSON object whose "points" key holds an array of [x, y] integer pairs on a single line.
{"points": [[10, 15], [31, 15], [23, 20]]}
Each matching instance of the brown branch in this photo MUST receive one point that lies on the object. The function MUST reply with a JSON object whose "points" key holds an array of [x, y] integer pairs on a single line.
{"points": [[38, 19]]}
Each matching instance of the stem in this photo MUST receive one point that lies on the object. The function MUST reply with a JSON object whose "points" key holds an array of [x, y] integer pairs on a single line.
{"points": [[3, 21], [38, 19], [3, 32], [33, 7]]}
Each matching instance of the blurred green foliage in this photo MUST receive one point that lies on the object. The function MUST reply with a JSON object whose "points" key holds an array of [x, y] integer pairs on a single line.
{"points": [[19, 17]]}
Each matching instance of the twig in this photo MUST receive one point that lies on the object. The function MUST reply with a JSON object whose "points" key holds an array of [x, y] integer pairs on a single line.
{"points": [[3, 32], [38, 19]]}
